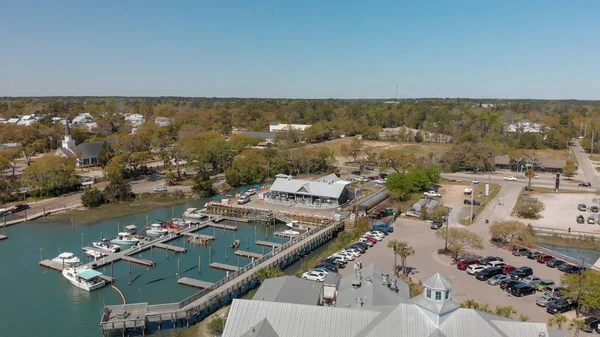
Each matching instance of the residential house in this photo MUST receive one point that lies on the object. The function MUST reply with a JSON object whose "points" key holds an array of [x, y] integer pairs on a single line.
{"points": [[9, 146], [134, 118], [27, 120], [14, 120], [276, 127], [83, 118], [370, 303], [162, 121], [502, 162]]}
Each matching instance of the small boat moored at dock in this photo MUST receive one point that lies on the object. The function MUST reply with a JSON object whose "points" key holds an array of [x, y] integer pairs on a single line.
{"points": [[156, 230], [125, 239], [194, 213], [67, 259], [95, 254], [287, 233], [105, 245], [295, 225], [84, 278], [235, 244]]}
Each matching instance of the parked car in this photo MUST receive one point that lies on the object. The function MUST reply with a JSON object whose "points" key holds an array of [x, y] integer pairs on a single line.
{"points": [[338, 262], [328, 266], [496, 264], [377, 237], [383, 227], [474, 269], [475, 181], [554, 263], [321, 270], [521, 273], [544, 258], [357, 249], [582, 207], [594, 208], [585, 184], [511, 286], [564, 266], [508, 269], [561, 305], [352, 251], [243, 200], [543, 284], [574, 270], [314, 276], [508, 282], [520, 251], [349, 256], [468, 191], [531, 279], [432, 194], [590, 324], [160, 189], [436, 224], [591, 220], [475, 202], [366, 241], [487, 273], [510, 178], [580, 219], [495, 280], [464, 264], [532, 255], [554, 290], [521, 290], [361, 245], [376, 215], [370, 239], [488, 259], [545, 299], [21, 207]]}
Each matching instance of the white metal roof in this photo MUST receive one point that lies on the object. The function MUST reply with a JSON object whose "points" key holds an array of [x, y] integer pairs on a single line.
{"points": [[307, 187], [289, 289], [437, 282]]}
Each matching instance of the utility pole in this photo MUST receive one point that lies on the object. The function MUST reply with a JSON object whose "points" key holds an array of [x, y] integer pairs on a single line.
{"points": [[592, 149], [448, 209], [472, 194]]}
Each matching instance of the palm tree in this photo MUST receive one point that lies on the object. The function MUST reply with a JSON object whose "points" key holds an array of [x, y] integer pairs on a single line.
{"points": [[404, 250], [576, 324], [529, 174], [470, 304], [394, 245], [558, 320]]}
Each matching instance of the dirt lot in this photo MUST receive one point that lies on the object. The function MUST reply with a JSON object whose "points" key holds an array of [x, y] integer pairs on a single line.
{"points": [[561, 210]]}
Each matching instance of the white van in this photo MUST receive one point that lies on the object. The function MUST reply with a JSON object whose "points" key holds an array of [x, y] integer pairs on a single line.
{"points": [[496, 264]]}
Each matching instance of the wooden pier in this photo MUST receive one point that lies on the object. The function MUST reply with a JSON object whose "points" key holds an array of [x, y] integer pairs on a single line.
{"points": [[192, 282], [147, 263], [223, 266], [198, 236], [285, 235], [228, 227], [219, 211], [217, 219], [58, 266], [268, 244], [248, 254], [172, 248]]}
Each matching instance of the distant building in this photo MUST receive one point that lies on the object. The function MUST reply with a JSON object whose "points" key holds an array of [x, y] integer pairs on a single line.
{"points": [[27, 120], [83, 118], [134, 118], [371, 303], [326, 192], [504, 162], [9, 146], [162, 121], [14, 120], [267, 136], [276, 127], [86, 154], [3, 121], [525, 127]]}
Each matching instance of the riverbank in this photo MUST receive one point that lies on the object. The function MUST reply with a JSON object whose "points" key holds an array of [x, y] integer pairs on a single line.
{"points": [[144, 202], [585, 242]]}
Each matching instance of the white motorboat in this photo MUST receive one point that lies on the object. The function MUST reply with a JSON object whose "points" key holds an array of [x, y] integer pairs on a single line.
{"points": [[84, 278], [194, 213], [105, 245], [290, 232], [297, 226], [95, 254], [67, 259], [156, 229], [125, 239]]}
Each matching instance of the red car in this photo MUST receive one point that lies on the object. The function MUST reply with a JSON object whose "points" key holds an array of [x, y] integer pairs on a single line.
{"points": [[370, 239], [463, 265], [508, 269], [544, 258]]}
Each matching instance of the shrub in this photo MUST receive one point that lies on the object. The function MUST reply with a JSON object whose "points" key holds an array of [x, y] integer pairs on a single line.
{"points": [[92, 198]]}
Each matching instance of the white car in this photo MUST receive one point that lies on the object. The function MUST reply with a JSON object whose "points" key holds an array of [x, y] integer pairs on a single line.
{"points": [[511, 178], [354, 252], [348, 256], [320, 270], [475, 268], [366, 242], [531, 280], [432, 194], [340, 257], [375, 235], [314, 276], [160, 189], [380, 181], [475, 181]]}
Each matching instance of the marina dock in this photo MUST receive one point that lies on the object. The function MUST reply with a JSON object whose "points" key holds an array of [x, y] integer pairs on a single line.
{"points": [[223, 266], [248, 254], [228, 227], [175, 249], [192, 282], [268, 244], [198, 236], [58, 266], [284, 235], [147, 263], [2, 237]]}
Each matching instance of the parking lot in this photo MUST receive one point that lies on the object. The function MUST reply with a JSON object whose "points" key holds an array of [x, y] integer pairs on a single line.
{"points": [[561, 211]]}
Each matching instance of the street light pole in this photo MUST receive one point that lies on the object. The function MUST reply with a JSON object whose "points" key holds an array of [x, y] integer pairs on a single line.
{"points": [[472, 193], [447, 221]]}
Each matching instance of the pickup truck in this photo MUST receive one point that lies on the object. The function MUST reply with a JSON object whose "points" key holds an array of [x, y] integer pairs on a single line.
{"points": [[383, 227], [468, 191], [432, 194]]}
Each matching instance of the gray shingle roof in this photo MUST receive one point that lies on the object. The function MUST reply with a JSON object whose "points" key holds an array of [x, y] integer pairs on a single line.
{"points": [[437, 282], [262, 329], [308, 188], [289, 289]]}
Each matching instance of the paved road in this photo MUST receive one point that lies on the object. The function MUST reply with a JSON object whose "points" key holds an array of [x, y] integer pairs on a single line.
{"points": [[585, 165]]}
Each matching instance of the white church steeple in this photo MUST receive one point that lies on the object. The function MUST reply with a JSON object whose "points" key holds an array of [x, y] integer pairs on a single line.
{"points": [[68, 142]]}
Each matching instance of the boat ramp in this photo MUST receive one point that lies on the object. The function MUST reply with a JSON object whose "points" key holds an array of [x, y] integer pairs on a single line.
{"points": [[142, 316]]}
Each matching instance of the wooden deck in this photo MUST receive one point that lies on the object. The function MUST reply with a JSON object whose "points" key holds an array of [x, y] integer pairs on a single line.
{"points": [[268, 244], [58, 266], [228, 227], [223, 266], [198, 236], [172, 248], [248, 254], [147, 263], [192, 282]]}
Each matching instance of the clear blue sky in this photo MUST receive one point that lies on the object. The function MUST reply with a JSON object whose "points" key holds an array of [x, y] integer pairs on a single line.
{"points": [[301, 48]]}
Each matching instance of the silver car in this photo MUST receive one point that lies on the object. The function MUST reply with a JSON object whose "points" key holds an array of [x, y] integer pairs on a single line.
{"points": [[531, 280], [497, 279], [544, 300]]}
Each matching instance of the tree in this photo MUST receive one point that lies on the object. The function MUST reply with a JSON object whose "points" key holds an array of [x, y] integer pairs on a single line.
{"points": [[460, 239], [529, 173], [585, 287], [394, 245], [92, 198], [203, 186], [472, 304], [105, 155], [419, 137], [249, 167], [118, 189], [51, 176], [404, 250], [8, 160], [400, 185], [569, 170], [507, 311], [512, 232], [353, 149], [577, 324], [557, 320], [530, 209], [396, 160], [216, 326]]}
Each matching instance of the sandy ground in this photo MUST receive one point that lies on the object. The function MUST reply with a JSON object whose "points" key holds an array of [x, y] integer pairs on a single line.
{"points": [[561, 210]]}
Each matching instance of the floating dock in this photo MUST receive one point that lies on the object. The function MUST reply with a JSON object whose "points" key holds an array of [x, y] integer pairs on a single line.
{"points": [[268, 244], [223, 266], [192, 282], [2, 237], [198, 236], [285, 235], [147, 263], [228, 227], [218, 219], [248, 254], [58, 266], [172, 248]]}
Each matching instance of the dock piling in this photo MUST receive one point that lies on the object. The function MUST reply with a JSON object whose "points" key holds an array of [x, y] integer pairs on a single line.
{"points": [[199, 264], [41, 254], [72, 225], [112, 270], [82, 240], [209, 254], [44, 212], [178, 273], [129, 267], [225, 253], [248, 243], [152, 253], [118, 227]]}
